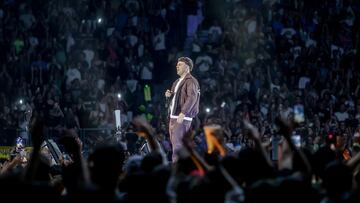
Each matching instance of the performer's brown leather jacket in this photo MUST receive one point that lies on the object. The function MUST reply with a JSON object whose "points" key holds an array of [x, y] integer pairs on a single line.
{"points": [[187, 97]]}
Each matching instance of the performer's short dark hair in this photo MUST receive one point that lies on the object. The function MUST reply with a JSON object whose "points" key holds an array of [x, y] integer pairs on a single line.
{"points": [[187, 61]]}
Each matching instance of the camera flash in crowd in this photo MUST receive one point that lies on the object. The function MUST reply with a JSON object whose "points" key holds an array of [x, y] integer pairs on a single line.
{"points": [[223, 104], [20, 101], [119, 96], [99, 20], [207, 110]]}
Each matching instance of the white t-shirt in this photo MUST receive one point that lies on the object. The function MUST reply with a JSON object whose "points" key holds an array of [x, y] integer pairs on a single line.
{"points": [[341, 116], [288, 32], [69, 42], [203, 63], [215, 30], [159, 42], [132, 39], [286, 112], [131, 84], [303, 81], [173, 99], [71, 75], [251, 26], [146, 73], [296, 51], [273, 86], [310, 42], [89, 55], [140, 50]]}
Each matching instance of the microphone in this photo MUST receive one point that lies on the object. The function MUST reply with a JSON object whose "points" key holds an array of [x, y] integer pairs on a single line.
{"points": [[167, 100]]}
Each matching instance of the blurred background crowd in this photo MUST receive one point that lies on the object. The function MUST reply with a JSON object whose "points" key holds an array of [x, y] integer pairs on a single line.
{"points": [[74, 62]]}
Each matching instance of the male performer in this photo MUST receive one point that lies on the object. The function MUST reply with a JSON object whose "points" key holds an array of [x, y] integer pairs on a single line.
{"points": [[184, 106]]}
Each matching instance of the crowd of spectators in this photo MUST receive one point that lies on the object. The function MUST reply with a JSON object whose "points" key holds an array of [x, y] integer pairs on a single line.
{"points": [[296, 59], [75, 62], [70, 60], [72, 63]]}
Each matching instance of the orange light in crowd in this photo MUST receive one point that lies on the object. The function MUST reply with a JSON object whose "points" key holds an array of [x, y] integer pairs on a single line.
{"points": [[212, 139]]}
